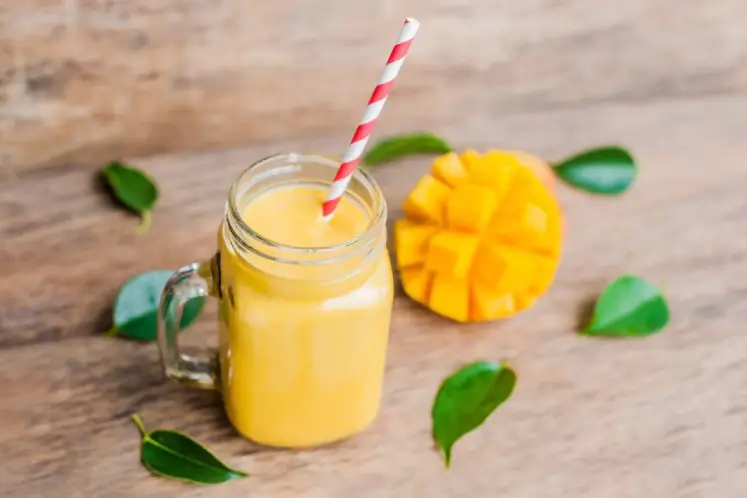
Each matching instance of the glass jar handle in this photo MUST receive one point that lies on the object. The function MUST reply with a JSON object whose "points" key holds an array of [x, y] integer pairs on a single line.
{"points": [[189, 282]]}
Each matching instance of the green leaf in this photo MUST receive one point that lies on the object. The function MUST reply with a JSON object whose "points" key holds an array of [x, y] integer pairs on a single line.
{"points": [[408, 144], [178, 456], [629, 307], [606, 170], [466, 399], [136, 306], [133, 188]]}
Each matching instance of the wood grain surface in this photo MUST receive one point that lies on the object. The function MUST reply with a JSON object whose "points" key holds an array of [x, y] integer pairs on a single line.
{"points": [[661, 417], [85, 80]]}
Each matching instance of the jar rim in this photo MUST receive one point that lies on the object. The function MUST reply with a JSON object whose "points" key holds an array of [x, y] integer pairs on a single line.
{"points": [[379, 211]]}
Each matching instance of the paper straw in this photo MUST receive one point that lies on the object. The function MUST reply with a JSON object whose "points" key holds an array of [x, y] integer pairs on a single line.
{"points": [[375, 105]]}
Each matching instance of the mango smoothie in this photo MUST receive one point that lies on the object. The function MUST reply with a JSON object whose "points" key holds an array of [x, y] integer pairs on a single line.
{"points": [[302, 342]]}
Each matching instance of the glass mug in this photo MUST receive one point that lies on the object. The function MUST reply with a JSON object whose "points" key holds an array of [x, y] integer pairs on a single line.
{"points": [[303, 331]]}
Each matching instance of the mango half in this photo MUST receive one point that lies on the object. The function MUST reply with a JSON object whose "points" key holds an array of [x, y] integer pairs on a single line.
{"points": [[482, 235]]}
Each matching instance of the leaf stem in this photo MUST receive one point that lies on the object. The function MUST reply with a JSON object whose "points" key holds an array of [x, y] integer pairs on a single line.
{"points": [[112, 332], [145, 220], [139, 424]]}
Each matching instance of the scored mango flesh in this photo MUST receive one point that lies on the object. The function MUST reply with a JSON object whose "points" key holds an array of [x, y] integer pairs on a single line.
{"points": [[482, 235]]}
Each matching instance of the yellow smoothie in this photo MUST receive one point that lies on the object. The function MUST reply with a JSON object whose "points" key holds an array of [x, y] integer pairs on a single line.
{"points": [[302, 346]]}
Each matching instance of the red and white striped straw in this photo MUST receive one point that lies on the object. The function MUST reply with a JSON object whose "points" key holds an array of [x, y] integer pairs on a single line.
{"points": [[375, 105]]}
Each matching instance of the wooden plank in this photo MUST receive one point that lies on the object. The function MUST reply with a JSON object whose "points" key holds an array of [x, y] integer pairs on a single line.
{"points": [[594, 418], [66, 249], [92, 79], [663, 416]]}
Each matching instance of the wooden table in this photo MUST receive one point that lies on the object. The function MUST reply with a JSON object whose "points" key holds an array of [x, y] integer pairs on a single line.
{"points": [[661, 417]]}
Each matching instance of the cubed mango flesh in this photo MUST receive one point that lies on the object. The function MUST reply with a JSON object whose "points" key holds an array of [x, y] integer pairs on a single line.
{"points": [[489, 303], [450, 298], [427, 201], [524, 301], [469, 158], [451, 253], [411, 241], [530, 219], [495, 171], [416, 282], [507, 269], [544, 274], [470, 208], [482, 237], [527, 218], [449, 169], [540, 168]]}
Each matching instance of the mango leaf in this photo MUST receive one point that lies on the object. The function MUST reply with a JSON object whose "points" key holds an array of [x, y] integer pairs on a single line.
{"points": [[133, 188], [606, 170], [629, 307], [136, 306], [177, 456], [408, 144], [466, 399]]}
